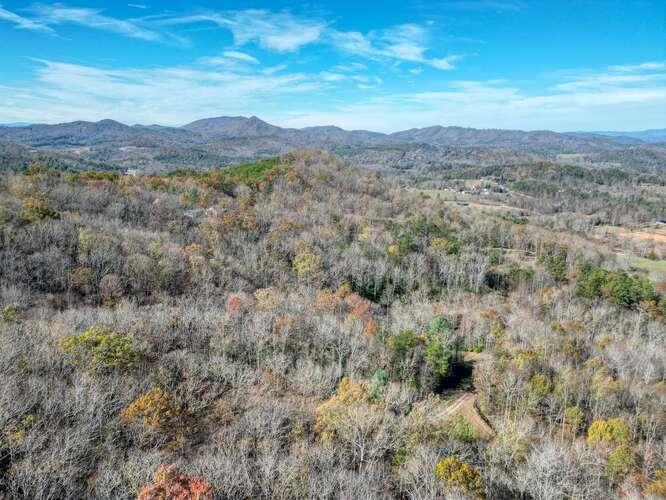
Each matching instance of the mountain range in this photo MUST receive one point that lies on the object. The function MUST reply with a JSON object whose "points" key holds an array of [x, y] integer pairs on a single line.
{"points": [[652, 135], [222, 140]]}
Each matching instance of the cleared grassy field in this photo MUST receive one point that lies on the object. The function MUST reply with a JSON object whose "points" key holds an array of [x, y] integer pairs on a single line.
{"points": [[658, 266]]}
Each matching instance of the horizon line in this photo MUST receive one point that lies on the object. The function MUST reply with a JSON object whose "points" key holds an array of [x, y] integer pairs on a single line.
{"points": [[30, 124]]}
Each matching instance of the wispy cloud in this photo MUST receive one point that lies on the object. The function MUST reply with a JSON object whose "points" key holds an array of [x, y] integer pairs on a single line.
{"points": [[23, 22], [58, 14], [328, 76], [241, 56], [405, 42], [287, 32], [232, 59], [627, 103], [170, 95], [281, 32], [278, 31], [349, 67], [617, 76], [646, 66]]}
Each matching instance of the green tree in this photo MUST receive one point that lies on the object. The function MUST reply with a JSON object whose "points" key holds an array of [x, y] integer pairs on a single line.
{"points": [[461, 429], [439, 347], [574, 419], [620, 462], [554, 258], [626, 291], [100, 347], [591, 281], [36, 209]]}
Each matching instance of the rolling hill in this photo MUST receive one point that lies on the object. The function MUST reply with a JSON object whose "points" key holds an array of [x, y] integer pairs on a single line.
{"points": [[652, 135], [222, 140]]}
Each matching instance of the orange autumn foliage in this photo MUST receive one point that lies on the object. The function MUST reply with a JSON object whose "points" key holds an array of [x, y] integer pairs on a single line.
{"points": [[169, 483]]}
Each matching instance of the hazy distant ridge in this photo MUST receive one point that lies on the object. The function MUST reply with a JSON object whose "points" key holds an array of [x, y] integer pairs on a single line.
{"points": [[225, 127], [210, 142], [652, 135]]}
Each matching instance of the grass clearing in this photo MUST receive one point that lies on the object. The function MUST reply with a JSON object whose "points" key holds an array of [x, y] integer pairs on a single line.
{"points": [[250, 173], [653, 266]]}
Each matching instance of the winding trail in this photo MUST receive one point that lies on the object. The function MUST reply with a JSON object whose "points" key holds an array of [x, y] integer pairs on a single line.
{"points": [[466, 406]]}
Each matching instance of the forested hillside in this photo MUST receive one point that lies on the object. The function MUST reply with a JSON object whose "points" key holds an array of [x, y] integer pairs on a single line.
{"points": [[299, 327], [225, 140]]}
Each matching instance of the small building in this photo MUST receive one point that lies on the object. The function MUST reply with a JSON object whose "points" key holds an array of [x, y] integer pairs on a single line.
{"points": [[214, 211], [193, 213]]}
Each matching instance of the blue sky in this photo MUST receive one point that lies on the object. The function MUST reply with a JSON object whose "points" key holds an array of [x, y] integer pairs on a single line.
{"points": [[387, 66]]}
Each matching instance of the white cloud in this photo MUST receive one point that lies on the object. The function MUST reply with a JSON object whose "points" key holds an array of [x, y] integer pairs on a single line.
{"points": [[626, 105], [281, 31], [57, 14], [328, 76], [405, 42], [608, 80], [444, 63], [241, 56], [274, 69], [349, 67], [287, 32], [652, 65], [616, 76], [231, 59], [23, 22]]}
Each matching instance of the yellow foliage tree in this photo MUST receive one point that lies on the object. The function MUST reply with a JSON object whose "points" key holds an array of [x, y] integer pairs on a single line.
{"points": [[331, 412], [154, 409], [614, 431], [352, 421], [658, 486], [307, 264], [456, 475], [268, 299]]}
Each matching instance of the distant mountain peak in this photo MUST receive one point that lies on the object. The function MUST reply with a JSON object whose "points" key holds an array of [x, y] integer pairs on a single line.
{"points": [[233, 126], [109, 121]]}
